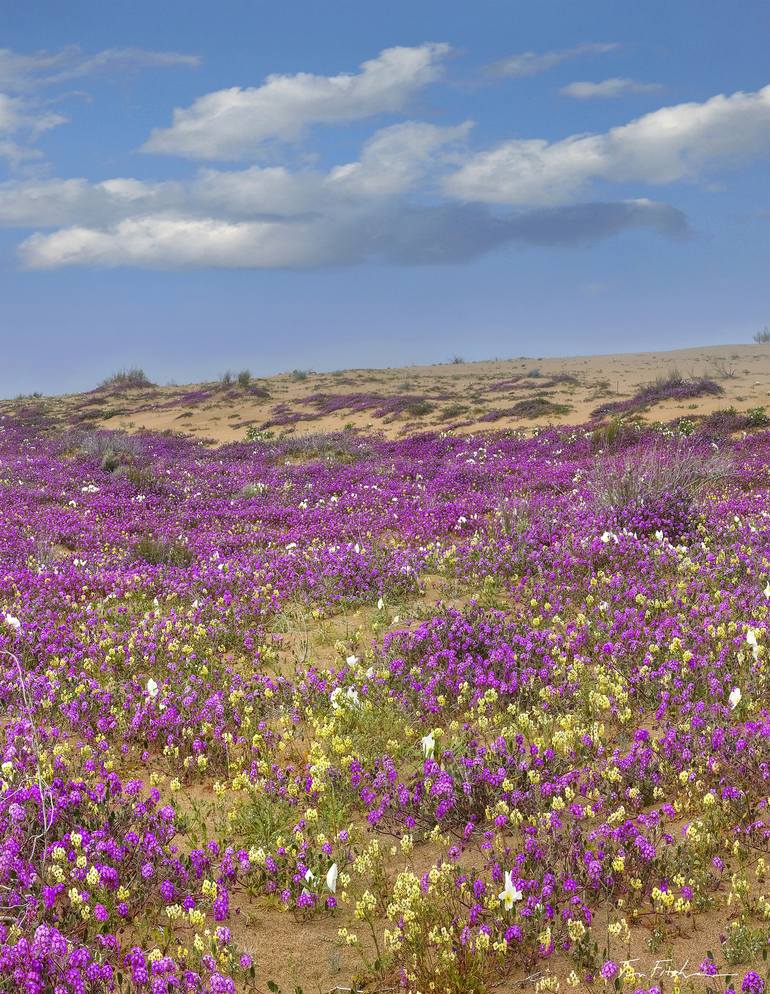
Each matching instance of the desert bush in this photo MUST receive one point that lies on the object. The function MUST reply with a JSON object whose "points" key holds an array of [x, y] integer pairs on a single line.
{"points": [[653, 487], [453, 411], [256, 434], [332, 446], [657, 468], [142, 477], [618, 433], [762, 336], [162, 552], [126, 379], [757, 418], [418, 408], [110, 449], [721, 424], [532, 407], [244, 378], [674, 386]]}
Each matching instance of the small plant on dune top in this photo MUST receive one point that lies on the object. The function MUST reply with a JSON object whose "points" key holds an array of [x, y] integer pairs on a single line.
{"points": [[244, 378], [763, 336], [128, 379]]}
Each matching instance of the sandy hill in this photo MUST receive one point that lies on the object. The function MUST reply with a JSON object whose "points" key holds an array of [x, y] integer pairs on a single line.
{"points": [[523, 392]]}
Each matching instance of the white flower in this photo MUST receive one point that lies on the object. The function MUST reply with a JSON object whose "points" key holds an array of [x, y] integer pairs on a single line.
{"points": [[509, 895], [767, 591], [351, 696], [331, 878], [309, 878], [338, 697], [608, 537], [12, 622], [351, 660], [659, 536], [735, 697], [152, 688], [751, 639], [380, 604], [428, 743]]}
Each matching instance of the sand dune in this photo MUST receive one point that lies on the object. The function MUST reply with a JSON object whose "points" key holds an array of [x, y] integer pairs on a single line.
{"points": [[521, 392]]}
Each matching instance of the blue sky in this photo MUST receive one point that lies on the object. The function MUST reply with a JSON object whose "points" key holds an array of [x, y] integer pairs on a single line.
{"points": [[192, 187]]}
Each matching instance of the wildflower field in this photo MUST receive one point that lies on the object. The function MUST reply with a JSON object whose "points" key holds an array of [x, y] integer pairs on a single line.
{"points": [[437, 714]]}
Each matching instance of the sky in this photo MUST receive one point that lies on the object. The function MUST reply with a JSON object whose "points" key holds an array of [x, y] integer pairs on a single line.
{"points": [[193, 187]]}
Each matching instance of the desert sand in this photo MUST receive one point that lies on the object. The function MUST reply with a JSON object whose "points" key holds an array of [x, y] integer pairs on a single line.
{"points": [[459, 396]]}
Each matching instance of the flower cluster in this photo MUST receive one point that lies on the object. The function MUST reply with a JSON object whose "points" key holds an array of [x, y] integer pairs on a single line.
{"points": [[436, 699]]}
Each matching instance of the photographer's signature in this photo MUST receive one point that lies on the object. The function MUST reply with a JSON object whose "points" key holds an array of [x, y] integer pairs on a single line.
{"points": [[661, 969]]}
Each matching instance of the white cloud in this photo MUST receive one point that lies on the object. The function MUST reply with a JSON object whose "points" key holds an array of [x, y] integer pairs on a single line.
{"points": [[400, 234], [617, 86], [24, 114], [667, 145], [17, 115], [533, 63], [275, 218], [19, 72], [414, 195], [53, 202], [22, 122], [394, 161], [236, 122]]}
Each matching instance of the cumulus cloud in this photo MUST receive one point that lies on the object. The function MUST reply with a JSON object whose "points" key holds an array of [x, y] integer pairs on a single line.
{"points": [[393, 162], [667, 145], [416, 194], [20, 72], [238, 122], [617, 86], [534, 63]]}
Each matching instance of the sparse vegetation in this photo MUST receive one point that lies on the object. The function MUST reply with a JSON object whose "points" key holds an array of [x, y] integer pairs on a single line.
{"points": [[127, 379], [673, 386]]}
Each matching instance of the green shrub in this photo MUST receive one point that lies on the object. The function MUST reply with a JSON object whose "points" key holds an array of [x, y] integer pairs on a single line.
{"points": [[162, 552], [756, 417], [126, 379]]}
